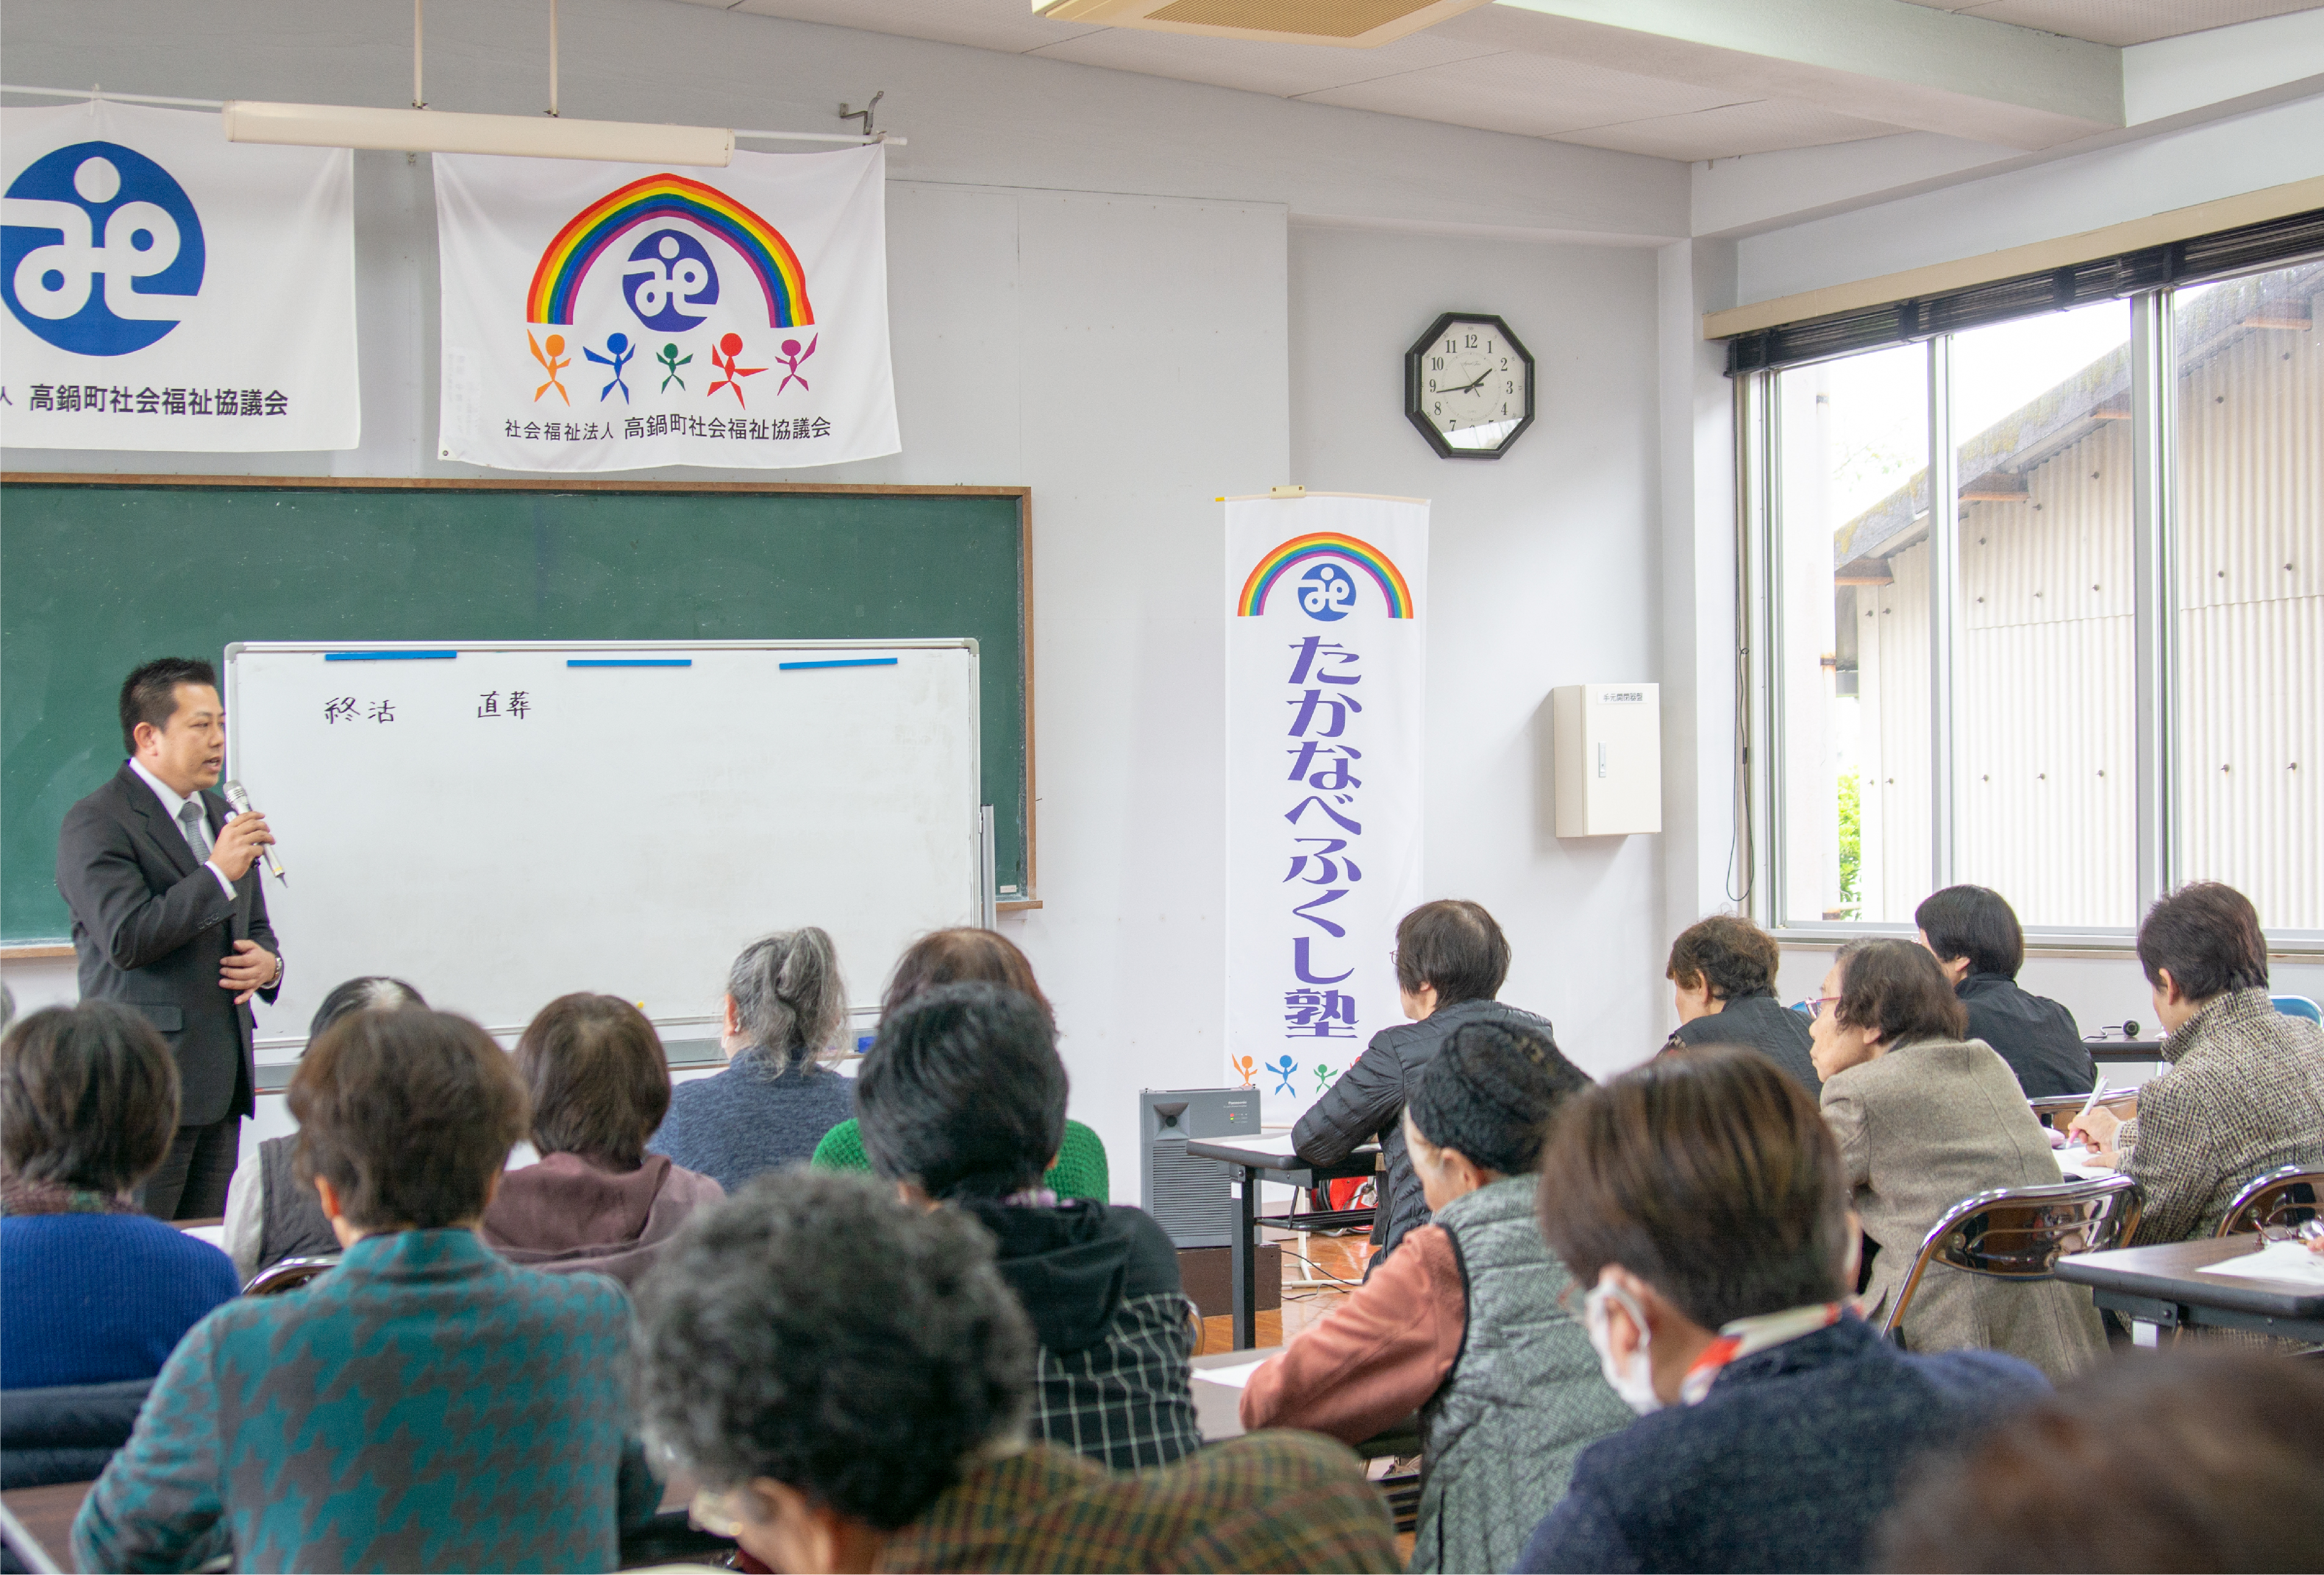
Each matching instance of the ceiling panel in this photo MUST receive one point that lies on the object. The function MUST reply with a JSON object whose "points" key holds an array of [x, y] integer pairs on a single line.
{"points": [[1285, 69], [1723, 132], [2122, 22], [1530, 95], [985, 24]]}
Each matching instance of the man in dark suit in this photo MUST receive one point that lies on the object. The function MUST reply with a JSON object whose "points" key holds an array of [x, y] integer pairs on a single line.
{"points": [[168, 918]]}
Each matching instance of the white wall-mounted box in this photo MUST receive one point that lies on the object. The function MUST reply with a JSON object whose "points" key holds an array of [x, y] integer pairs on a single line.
{"points": [[1606, 749]]}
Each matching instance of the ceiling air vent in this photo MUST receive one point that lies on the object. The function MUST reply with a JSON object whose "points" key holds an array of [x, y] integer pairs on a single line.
{"points": [[1353, 23]]}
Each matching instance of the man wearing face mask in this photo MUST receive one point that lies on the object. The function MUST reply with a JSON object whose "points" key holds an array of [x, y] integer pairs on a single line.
{"points": [[1702, 1199]]}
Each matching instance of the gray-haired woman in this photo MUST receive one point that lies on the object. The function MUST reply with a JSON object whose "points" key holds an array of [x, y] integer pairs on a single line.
{"points": [[786, 1006]]}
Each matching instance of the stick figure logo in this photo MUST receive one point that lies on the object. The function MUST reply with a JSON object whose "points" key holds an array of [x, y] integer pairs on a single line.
{"points": [[669, 361], [729, 351], [91, 209], [1246, 1067], [619, 353], [792, 356], [1285, 1070], [555, 362]]}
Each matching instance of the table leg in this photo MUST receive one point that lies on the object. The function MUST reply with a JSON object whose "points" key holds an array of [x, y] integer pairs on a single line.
{"points": [[1244, 1250]]}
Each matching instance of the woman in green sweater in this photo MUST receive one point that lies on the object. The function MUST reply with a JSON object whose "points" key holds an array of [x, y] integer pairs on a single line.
{"points": [[961, 956]]}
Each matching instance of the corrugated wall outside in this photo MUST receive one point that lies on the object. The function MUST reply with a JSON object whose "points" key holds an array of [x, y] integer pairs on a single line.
{"points": [[2045, 733], [2251, 629]]}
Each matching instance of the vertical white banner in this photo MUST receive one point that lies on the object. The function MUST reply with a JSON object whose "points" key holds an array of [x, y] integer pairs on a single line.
{"points": [[166, 288], [1325, 681]]}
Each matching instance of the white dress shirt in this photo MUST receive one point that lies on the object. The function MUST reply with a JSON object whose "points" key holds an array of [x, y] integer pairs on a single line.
{"points": [[171, 803]]}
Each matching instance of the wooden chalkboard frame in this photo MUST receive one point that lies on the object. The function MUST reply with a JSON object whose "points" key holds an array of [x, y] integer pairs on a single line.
{"points": [[1031, 898]]}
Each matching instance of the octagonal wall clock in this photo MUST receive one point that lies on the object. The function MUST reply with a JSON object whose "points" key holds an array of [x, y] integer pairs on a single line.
{"points": [[1468, 386]]}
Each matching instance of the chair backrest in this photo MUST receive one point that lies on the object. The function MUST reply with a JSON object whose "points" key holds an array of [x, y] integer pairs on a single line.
{"points": [[2297, 1005], [2069, 1105], [2284, 1197], [288, 1276], [2020, 1233]]}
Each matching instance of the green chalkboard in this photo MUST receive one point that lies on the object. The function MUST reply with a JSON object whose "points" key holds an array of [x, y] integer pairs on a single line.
{"points": [[98, 576]]}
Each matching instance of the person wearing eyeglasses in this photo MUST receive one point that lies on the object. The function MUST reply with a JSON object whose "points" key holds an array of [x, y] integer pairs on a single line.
{"points": [[1926, 1117]]}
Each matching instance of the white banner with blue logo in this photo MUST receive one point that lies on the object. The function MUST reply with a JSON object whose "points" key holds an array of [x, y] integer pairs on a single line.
{"points": [[170, 289], [609, 316], [1326, 672]]}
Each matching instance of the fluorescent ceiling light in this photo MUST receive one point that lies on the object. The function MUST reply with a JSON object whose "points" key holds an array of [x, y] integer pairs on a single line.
{"points": [[437, 131]]}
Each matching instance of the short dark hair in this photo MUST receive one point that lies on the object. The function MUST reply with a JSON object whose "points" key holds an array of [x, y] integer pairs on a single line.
{"points": [[1709, 1173], [2207, 934], [150, 694], [1975, 921], [963, 1094], [1455, 945], [1735, 956], [596, 1078], [88, 1097], [408, 1114], [2223, 1446], [814, 1331], [963, 955], [1897, 988], [370, 992], [1489, 1092]]}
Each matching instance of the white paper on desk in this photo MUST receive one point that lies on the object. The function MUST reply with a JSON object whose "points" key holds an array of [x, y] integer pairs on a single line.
{"points": [[2277, 1260], [213, 1234], [1277, 1144], [1234, 1377], [2077, 1161]]}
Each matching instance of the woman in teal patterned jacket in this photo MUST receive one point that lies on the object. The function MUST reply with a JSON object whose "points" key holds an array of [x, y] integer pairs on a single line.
{"points": [[425, 1406]]}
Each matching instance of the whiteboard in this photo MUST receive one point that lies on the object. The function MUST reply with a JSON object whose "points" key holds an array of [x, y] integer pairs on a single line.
{"points": [[502, 823]]}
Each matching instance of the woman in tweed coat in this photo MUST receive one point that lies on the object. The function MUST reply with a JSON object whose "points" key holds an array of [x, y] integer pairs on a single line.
{"points": [[1925, 1117]]}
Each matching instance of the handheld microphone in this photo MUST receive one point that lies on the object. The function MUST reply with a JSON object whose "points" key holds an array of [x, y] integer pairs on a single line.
{"points": [[238, 797]]}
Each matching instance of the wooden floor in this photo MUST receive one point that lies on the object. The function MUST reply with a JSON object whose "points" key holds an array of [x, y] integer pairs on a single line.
{"points": [[1341, 1258]]}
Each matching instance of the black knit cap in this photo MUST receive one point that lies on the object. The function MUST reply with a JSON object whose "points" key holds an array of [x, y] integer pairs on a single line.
{"points": [[1490, 1093]]}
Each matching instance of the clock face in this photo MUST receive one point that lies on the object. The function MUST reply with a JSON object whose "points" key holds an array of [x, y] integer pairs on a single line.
{"points": [[1469, 386]]}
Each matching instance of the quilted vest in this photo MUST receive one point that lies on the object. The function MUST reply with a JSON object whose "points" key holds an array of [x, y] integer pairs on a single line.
{"points": [[1524, 1396]]}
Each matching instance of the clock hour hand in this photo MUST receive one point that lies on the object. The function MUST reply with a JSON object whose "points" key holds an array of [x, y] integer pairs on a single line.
{"points": [[1465, 387]]}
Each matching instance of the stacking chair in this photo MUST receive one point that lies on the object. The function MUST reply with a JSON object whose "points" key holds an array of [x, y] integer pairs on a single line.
{"points": [[2297, 1005], [2020, 1233], [289, 1274], [2278, 1202]]}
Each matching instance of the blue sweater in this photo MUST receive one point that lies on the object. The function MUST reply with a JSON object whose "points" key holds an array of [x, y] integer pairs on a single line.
{"points": [[1788, 1464], [425, 1406], [751, 1117], [99, 1298]]}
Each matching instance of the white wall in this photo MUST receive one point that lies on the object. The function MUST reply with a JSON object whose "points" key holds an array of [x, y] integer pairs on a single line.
{"points": [[1541, 571], [1096, 291]]}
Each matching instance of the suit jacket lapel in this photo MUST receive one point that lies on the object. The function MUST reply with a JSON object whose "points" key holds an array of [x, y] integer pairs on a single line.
{"points": [[159, 828]]}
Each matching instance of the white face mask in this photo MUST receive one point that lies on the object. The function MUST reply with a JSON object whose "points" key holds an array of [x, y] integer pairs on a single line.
{"points": [[1634, 1381]]}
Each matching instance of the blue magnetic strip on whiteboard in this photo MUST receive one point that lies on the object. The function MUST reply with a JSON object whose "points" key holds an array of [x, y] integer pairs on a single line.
{"points": [[633, 662], [855, 662], [388, 656]]}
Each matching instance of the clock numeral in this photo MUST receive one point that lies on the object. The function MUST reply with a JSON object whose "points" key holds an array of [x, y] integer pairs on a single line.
{"points": [[1473, 341], [1436, 363], [1450, 347], [1436, 407], [1431, 385], [1504, 363], [1508, 388]]}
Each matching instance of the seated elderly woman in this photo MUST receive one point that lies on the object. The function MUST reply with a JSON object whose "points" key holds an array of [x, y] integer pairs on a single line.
{"points": [[1466, 1323], [967, 955], [786, 1011], [598, 1084], [2245, 1093], [1925, 1117], [1700, 1198], [91, 1290], [269, 1215], [850, 1379], [426, 1405], [1722, 974]]}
